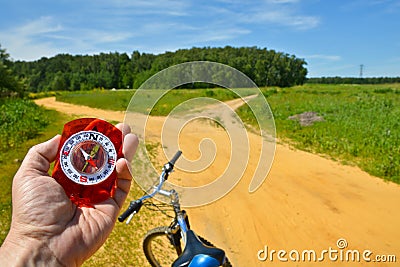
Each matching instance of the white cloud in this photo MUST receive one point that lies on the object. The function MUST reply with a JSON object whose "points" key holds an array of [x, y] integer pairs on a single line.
{"points": [[280, 12], [282, 1], [104, 25], [286, 18], [324, 57], [43, 25], [45, 37], [207, 35], [21, 41], [381, 7], [146, 7], [106, 36]]}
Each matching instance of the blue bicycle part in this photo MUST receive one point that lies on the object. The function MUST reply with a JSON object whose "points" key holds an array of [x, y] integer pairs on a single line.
{"points": [[203, 261], [195, 247], [198, 252]]}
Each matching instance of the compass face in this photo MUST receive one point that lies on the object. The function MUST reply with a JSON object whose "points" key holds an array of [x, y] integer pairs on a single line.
{"points": [[88, 157]]}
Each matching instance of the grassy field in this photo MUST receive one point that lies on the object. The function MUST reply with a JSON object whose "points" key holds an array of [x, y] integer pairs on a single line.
{"points": [[360, 126], [360, 122], [119, 100]]}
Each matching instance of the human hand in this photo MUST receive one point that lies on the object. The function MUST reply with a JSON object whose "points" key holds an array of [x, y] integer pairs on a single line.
{"points": [[47, 229]]}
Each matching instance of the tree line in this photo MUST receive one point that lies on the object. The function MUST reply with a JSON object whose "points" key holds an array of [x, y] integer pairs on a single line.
{"points": [[120, 70], [9, 83], [353, 80]]}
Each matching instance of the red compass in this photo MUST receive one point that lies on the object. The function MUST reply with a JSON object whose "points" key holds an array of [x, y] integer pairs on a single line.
{"points": [[88, 153]]}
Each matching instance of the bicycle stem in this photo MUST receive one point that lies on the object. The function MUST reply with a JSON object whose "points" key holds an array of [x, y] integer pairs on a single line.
{"points": [[172, 194], [177, 208]]}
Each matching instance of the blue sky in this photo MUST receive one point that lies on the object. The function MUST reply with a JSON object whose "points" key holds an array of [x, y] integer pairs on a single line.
{"points": [[334, 37]]}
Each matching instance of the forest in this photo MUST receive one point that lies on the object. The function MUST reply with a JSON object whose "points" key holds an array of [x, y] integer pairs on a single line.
{"points": [[66, 72], [353, 80], [120, 70]]}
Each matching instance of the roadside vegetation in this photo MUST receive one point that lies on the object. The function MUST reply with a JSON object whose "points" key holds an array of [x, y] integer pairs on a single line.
{"points": [[20, 120], [360, 123], [23, 124], [119, 99]]}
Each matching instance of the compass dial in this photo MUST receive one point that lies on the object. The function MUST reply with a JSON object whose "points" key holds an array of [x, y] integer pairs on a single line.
{"points": [[88, 157]]}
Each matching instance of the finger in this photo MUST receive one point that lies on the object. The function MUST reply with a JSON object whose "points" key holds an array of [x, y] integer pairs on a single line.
{"points": [[123, 182], [124, 128], [120, 196], [41, 155], [124, 185], [123, 170], [131, 143]]}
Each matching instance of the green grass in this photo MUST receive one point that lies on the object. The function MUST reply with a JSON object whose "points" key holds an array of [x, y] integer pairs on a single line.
{"points": [[361, 124], [11, 157], [103, 99], [119, 100], [20, 120]]}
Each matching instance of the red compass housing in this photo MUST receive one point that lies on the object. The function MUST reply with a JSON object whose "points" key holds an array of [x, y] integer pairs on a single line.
{"points": [[87, 156]]}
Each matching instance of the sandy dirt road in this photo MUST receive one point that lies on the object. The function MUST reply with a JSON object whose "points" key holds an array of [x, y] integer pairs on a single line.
{"points": [[307, 203]]}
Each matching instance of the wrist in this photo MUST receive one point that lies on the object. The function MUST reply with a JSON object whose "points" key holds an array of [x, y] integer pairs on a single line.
{"points": [[25, 251]]}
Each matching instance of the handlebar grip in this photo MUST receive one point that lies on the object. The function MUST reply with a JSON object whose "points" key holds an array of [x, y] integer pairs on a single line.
{"points": [[133, 207], [175, 157]]}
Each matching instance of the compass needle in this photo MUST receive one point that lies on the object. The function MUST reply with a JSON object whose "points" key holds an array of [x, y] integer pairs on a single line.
{"points": [[92, 163], [94, 151], [85, 155], [84, 167], [89, 158]]}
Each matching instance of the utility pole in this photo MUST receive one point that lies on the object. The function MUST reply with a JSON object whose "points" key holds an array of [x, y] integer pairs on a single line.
{"points": [[361, 70]]}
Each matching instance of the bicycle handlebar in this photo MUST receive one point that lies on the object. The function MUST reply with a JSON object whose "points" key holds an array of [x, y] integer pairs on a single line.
{"points": [[175, 157], [134, 207]]}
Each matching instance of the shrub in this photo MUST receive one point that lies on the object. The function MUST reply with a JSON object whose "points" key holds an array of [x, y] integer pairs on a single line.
{"points": [[20, 120]]}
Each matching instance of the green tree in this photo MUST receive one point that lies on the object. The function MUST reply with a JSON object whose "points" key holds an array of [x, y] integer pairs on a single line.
{"points": [[9, 84], [59, 82], [116, 70]]}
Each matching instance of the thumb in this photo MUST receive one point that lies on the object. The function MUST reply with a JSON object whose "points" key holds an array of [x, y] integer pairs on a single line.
{"points": [[41, 155]]}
